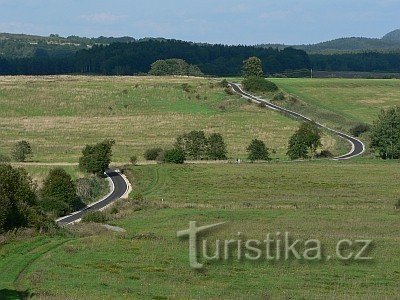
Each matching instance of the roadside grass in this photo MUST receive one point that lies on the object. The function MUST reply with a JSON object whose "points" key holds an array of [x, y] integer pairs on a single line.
{"points": [[341, 103], [326, 200], [60, 114]]}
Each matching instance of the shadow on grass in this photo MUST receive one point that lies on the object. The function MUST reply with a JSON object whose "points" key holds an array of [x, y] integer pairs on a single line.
{"points": [[6, 294]]}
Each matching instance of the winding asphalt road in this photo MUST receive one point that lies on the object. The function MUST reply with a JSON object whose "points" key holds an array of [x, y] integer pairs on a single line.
{"points": [[119, 188], [357, 147]]}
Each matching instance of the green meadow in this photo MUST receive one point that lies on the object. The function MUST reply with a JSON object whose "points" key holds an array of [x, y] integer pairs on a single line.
{"points": [[59, 115], [342, 102], [322, 200], [318, 199]]}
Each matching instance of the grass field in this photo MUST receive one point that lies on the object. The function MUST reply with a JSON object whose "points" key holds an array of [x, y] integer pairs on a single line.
{"points": [[60, 114], [325, 200], [343, 102], [310, 200]]}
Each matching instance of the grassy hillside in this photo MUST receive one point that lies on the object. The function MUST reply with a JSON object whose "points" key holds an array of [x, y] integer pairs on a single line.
{"points": [[311, 200], [59, 115], [342, 101]]}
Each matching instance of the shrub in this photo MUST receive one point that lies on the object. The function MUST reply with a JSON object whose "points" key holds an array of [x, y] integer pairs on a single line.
{"points": [[259, 84], [95, 217], [21, 151], [397, 205], [138, 197], [324, 154], [359, 129], [186, 87], [223, 83], [133, 160], [279, 97], [91, 188], [152, 154], [228, 91], [175, 156], [4, 159]]}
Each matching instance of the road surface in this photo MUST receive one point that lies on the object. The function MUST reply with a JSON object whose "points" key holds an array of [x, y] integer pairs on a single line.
{"points": [[357, 147], [119, 188]]}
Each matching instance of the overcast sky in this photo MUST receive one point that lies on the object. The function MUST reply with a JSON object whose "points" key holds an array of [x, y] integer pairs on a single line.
{"points": [[214, 21]]}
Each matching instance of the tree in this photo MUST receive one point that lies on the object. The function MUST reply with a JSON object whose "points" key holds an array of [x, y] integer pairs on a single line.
{"points": [[21, 151], [385, 134], [175, 156], [96, 159], [193, 144], [58, 194], [216, 149], [253, 67], [17, 199], [305, 141], [258, 151]]}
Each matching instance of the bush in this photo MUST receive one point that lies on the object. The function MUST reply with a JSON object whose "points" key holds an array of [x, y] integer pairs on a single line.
{"points": [[133, 160], [174, 156], [89, 189], [259, 84], [228, 91], [95, 217], [223, 83], [4, 159], [324, 154], [153, 153], [279, 97], [359, 129], [397, 205], [21, 151]]}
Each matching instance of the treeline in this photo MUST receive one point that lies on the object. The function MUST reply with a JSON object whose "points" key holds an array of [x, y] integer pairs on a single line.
{"points": [[137, 57], [358, 62], [218, 60]]}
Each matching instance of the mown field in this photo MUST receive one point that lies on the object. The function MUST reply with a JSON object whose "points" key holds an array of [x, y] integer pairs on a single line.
{"points": [[326, 200], [341, 103], [60, 114]]}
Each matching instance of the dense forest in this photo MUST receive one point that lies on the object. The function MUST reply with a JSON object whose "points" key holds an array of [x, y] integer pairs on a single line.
{"points": [[359, 62], [137, 57]]}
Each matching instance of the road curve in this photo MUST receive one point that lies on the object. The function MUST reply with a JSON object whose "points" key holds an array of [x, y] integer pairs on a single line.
{"points": [[357, 147], [119, 188]]}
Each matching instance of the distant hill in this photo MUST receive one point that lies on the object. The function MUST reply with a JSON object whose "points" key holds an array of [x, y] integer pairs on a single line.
{"points": [[24, 46], [389, 43], [27, 46], [393, 36]]}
